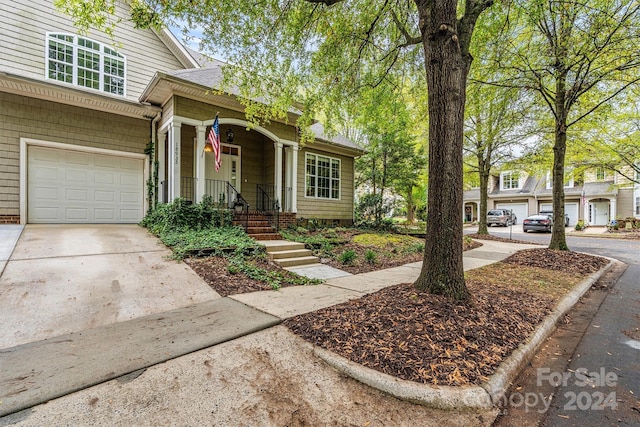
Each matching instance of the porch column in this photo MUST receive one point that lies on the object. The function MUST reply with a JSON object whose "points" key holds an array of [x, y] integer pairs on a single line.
{"points": [[161, 157], [174, 160], [288, 176], [278, 173], [199, 166], [294, 179], [612, 210]]}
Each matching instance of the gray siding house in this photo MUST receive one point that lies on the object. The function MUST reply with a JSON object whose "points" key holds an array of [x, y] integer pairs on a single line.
{"points": [[598, 197], [78, 114]]}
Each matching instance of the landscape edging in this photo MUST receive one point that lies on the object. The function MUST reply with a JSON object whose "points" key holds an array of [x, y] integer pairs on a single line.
{"points": [[484, 396]]}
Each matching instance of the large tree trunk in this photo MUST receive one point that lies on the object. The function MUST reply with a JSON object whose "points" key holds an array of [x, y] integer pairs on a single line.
{"points": [[442, 270], [558, 236]]}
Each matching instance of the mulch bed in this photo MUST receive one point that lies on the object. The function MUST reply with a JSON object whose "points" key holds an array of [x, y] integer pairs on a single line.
{"points": [[430, 339], [497, 239], [573, 262], [387, 257], [213, 270]]}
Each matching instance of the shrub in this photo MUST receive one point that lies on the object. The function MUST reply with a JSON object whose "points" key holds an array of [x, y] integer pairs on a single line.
{"points": [[370, 256], [183, 215], [580, 225], [347, 257]]}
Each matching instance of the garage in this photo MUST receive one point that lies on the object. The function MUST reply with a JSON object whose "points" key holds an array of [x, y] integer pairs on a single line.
{"points": [[76, 186], [570, 209], [520, 209]]}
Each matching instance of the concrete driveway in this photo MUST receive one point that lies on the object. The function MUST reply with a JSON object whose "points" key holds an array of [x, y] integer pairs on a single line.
{"points": [[68, 278]]}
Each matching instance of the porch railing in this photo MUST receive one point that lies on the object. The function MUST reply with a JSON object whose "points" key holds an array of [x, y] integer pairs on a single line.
{"points": [[226, 196], [188, 188], [268, 204]]}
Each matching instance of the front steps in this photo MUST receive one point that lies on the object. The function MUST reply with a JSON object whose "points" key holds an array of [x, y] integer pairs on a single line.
{"points": [[289, 254], [258, 226]]}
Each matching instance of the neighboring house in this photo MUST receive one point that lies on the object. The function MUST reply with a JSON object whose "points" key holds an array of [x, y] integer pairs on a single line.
{"points": [[78, 113], [597, 198]]}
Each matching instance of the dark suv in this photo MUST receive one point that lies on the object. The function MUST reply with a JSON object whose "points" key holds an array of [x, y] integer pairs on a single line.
{"points": [[550, 213], [503, 217]]}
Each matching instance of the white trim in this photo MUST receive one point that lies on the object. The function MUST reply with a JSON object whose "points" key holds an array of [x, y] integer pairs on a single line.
{"points": [[75, 64], [330, 177], [176, 43], [502, 174], [26, 142]]}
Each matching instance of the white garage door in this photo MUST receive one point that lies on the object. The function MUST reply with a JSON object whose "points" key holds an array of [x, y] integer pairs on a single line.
{"points": [[520, 209], [570, 209], [66, 186]]}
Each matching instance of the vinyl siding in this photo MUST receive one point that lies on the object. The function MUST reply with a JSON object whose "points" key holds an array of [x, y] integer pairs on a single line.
{"points": [[309, 207], [624, 206], [58, 123], [23, 53]]}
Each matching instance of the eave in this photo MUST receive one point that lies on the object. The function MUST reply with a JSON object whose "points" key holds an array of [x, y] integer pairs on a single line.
{"points": [[51, 91]]}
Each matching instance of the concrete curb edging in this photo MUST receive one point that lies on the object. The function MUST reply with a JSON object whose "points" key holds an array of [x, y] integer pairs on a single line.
{"points": [[499, 382], [484, 396]]}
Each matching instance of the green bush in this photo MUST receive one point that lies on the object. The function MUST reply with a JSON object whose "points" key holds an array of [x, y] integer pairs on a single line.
{"points": [[215, 241], [183, 215], [580, 225], [347, 257], [370, 256]]}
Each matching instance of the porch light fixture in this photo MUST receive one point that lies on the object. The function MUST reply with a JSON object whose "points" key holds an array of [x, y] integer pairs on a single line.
{"points": [[208, 148], [230, 135]]}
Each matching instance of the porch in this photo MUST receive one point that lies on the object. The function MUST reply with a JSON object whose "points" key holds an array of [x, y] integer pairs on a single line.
{"points": [[258, 169]]}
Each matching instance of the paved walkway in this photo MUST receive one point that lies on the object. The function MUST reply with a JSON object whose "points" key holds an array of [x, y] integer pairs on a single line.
{"points": [[36, 372]]}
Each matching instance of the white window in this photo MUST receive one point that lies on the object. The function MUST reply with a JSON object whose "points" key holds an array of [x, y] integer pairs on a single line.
{"points": [[637, 207], [510, 180], [83, 62], [322, 177], [568, 182], [601, 174]]}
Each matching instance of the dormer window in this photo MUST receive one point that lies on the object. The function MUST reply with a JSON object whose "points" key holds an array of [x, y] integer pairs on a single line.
{"points": [[600, 174], [510, 181], [83, 62], [568, 182]]}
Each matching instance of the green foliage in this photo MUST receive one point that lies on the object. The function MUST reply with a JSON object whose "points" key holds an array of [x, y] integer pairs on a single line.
{"points": [[347, 257], [214, 241], [273, 278], [182, 215], [580, 225], [187, 228], [322, 242], [370, 256]]}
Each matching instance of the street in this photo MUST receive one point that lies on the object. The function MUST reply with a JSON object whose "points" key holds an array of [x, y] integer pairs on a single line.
{"points": [[600, 385]]}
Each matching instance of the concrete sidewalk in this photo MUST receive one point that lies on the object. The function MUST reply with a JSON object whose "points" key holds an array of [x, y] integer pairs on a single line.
{"points": [[37, 372], [9, 235]]}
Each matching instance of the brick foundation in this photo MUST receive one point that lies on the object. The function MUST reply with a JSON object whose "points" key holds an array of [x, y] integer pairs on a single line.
{"points": [[9, 219], [285, 219]]}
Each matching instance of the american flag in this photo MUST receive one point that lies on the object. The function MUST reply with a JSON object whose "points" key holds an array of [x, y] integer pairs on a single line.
{"points": [[214, 140]]}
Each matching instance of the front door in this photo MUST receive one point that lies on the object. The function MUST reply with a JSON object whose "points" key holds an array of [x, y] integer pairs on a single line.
{"points": [[599, 213], [230, 171]]}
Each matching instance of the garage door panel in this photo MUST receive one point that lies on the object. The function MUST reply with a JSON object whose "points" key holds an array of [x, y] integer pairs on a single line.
{"points": [[75, 187], [104, 178], [521, 210]]}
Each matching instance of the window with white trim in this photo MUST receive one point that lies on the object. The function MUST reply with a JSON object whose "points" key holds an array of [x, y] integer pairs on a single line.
{"points": [[83, 62], [601, 174], [568, 182], [637, 207], [510, 180], [322, 177]]}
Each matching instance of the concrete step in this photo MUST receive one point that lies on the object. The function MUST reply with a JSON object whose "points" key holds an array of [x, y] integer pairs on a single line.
{"points": [[295, 253], [298, 261], [283, 245]]}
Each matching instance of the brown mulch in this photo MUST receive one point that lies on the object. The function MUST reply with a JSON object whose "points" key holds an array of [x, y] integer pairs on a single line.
{"points": [[567, 261], [430, 339], [387, 257], [498, 239], [213, 270]]}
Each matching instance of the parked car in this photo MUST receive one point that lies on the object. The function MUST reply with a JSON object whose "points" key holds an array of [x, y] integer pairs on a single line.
{"points": [[550, 213], [503, 217], [538, 222]]}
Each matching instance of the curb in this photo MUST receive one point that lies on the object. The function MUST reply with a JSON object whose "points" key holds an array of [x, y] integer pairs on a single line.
{"points": [[484, 396]]}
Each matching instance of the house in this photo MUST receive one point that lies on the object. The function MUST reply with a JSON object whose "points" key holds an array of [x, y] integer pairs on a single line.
{"points": [[597, 197], [87, 124]]}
